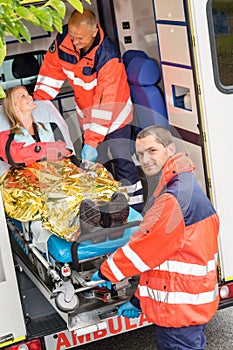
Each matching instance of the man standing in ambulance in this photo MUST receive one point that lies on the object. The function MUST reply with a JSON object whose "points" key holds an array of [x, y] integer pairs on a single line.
{"points": [[85, 56]]}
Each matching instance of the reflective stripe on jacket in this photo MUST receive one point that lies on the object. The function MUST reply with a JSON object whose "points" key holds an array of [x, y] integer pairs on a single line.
{"points": [[175, 252], [99, 81]]}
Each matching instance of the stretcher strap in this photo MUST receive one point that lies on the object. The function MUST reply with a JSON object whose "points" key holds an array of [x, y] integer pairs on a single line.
{"points": [[74, 254], [7, 150]]}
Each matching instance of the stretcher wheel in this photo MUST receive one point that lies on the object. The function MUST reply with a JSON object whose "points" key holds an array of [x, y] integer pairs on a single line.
{"points": [[65, 306]]}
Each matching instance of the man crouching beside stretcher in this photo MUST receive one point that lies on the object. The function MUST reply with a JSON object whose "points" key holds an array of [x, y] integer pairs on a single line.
{"points": [[46, 178]]}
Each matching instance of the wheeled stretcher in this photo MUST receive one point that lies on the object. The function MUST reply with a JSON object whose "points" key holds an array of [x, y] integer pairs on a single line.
{"points": [[64, 266]]}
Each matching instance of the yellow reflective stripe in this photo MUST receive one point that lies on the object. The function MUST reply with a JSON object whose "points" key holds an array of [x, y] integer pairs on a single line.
{"points": [[228, 278], [50, 91], [179, 297], [187, 268], [15, 340], [101, 114], [79, 81], [56, 83]]}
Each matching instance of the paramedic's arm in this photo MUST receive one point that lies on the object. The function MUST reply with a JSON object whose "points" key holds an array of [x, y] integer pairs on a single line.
{"points": [[160, 236], [111, 81], [51, 76]]}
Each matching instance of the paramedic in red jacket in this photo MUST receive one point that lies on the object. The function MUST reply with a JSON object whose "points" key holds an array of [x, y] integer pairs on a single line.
{"points": [[175, 252], [85, 56]]}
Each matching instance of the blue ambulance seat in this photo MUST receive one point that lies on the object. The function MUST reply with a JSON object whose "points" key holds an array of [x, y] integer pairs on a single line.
{"points": [[130, 54], [143, 75]]}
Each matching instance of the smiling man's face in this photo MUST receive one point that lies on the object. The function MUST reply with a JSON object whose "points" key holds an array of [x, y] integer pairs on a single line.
{"points": [[82, 36], [152, 154]]}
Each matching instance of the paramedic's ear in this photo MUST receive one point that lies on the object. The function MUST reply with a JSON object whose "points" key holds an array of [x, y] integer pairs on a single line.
{"points": [[95, 31], [171, 149]]}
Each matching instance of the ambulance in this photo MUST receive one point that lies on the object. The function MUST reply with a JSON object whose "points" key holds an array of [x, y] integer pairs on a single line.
{"points": [[190, 42]]}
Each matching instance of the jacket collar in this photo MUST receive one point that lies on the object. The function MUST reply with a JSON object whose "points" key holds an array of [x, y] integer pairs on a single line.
{"points": [[175, 165], [92, 51], [94, 44]]}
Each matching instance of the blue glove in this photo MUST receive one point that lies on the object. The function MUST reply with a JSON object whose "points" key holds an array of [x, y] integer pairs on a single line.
{"points": [[128, 310], [89, 153], [96, 277]]}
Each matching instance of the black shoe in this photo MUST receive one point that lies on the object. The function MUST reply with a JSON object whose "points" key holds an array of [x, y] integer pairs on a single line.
{"points": [[90, 218], [105, 218], [118, 210]]}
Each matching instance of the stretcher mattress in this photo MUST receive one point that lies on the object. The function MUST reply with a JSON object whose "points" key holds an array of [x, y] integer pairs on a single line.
{"points": [[60, 249]]}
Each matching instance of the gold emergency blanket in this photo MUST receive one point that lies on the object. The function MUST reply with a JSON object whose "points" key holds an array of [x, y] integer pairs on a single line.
{"points": [[52, 192]]}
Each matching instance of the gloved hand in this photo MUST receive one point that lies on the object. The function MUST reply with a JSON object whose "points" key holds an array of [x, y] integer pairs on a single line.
{"points": [[128, 310], [96, 277], [89, 153]]}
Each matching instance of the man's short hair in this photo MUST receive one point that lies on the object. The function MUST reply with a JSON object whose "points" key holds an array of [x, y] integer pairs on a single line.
{"points": [[161, 134], [87, 17]]}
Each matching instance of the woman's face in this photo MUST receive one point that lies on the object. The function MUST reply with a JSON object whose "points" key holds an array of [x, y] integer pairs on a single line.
{"points": [[22, 101]]}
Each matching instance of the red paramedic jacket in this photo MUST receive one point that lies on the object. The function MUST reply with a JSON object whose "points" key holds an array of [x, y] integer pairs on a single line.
{"points": [[175, 252], [99, 81]]}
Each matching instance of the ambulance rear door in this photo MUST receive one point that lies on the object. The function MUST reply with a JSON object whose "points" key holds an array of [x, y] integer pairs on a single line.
{"points": [[213, 34], [195, 43], [12, 326]]}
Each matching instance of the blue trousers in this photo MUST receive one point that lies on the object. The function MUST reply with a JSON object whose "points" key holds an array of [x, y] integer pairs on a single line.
{"points": [[183, 338], [119, 162]]}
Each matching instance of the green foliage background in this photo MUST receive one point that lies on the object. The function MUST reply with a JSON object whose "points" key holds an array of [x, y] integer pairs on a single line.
{"points": [[46, 14]]}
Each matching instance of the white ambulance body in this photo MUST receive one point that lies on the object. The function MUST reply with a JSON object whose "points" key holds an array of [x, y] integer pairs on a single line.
{"points": [[188, 39]]}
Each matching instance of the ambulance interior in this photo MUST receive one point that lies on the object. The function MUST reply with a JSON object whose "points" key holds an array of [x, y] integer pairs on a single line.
{"points": [[65, 282]]}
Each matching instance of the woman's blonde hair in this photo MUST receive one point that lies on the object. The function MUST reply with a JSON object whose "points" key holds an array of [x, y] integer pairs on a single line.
{"points": [[9, 109]]}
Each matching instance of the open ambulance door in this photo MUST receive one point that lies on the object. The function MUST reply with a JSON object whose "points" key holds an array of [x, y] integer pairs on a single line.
{"points": [[195, 43], [213, 52], [12, 326]]}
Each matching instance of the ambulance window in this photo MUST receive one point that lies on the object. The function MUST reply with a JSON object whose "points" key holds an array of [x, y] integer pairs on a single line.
{"points": [[21, 70], [220, 19], [181, 97]]}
